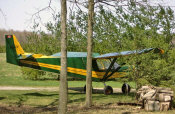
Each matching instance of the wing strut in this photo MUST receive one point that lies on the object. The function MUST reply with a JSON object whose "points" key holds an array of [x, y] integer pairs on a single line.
{"points": [[109, 69], [105, 78]]}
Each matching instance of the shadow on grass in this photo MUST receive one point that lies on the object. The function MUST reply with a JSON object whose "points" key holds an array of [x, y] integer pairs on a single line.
{"points": [[126, 112], [96, 90], [75, 99], [39, 94], [79, 97], [48, 79], [1, 98], [121, 94], [50, 106]]}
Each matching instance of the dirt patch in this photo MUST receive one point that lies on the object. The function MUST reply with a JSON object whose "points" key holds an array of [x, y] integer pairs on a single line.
{"points": [[80, 89], [110, 108], [107, 108], [5, 109], [29, 88]]}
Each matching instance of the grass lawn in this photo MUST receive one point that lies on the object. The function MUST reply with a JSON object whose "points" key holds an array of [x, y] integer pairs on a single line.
{"points": [[50, 98], [35, 100], [47, 102], [19, 81]]}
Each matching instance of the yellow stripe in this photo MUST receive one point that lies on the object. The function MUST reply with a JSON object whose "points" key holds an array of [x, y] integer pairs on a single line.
{"points": [[74, 70], [18, 47], [56, 67]]}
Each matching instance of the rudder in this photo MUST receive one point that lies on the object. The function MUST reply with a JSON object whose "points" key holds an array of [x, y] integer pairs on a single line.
{"points": [[13, 49]]}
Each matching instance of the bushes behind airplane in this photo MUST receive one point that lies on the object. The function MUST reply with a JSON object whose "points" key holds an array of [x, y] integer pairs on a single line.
{"points": [[2, 49], [34, 74]]}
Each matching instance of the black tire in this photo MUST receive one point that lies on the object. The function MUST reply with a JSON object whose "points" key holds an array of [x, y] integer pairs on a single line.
{"points": [[108, 90], [126, 88], [84, 89]]}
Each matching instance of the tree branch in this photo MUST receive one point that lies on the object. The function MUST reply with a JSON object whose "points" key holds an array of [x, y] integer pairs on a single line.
{"points": [[4, 16], [37, 14]]}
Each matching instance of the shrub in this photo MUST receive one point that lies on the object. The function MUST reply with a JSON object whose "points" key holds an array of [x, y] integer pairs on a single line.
{"points": [[32, 74], [2, 49]]}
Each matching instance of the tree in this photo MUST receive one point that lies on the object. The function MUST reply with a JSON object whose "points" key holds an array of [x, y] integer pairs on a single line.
{"points": [[63, 75], [89, 54]]}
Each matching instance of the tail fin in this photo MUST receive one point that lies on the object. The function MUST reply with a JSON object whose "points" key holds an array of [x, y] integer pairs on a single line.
{"points": [[13, 49]]}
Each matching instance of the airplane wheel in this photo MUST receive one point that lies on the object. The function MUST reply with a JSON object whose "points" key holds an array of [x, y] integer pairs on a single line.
{"points": [[108, 90], [126, 88], [84, 89]]}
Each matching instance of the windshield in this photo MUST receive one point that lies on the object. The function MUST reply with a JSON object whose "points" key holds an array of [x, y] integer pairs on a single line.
{"points": [[103, 64]]}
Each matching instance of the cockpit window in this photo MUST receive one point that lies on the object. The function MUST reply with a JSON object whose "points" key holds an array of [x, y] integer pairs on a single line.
{"points": [[103, 64]]}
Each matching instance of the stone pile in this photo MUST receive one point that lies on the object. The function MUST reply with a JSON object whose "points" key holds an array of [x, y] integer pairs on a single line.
{"points": [[155, 98]]}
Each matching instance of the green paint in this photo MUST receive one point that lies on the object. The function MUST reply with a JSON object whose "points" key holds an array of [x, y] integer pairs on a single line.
{"points": [[11, 55]]}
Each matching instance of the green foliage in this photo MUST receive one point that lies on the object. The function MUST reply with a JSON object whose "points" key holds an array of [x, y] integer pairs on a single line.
{"points": [[77, 31], [151, 31], [32, 74], [2, 49], [143, 28], [42, 43]]}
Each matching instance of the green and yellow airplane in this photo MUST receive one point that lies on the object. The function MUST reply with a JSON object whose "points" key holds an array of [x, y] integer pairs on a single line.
{"points": [[104, 67]]}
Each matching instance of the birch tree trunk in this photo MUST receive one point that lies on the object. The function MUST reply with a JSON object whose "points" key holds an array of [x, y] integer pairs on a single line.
{"points": [[89, 54], [63, 88]]}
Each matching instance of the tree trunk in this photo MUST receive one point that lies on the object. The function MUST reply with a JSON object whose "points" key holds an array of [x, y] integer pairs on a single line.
{"points": [[63, 74], [89, 54]]}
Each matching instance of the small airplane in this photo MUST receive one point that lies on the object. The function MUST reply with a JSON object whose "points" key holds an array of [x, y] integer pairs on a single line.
{"points": [[104, 67]]}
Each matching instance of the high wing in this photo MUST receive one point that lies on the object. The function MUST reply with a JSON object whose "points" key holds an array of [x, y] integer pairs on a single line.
{"points": [[113, 57], [127, 53]]}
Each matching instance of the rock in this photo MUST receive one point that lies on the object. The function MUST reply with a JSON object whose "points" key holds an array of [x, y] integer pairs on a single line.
{"points": [[155, 98], [149, 95], [165, 91], [163, 97], [164, 106], [163, 88], [152, 105]]}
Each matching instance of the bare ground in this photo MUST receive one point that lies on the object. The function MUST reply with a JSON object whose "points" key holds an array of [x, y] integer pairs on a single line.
{"points": [[75, 109], [28, 88], [80, 89], [79, 109]]}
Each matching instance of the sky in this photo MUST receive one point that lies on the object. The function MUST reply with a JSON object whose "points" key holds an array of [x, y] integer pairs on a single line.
{"points": [[17, 14]]}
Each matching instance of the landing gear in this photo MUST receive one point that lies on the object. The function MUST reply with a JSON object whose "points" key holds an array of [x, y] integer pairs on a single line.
{"points": [[108, 90], [84, 89], [126, 88]]}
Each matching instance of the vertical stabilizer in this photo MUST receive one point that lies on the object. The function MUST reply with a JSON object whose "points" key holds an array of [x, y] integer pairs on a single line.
{"points": [[13, 49]]}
